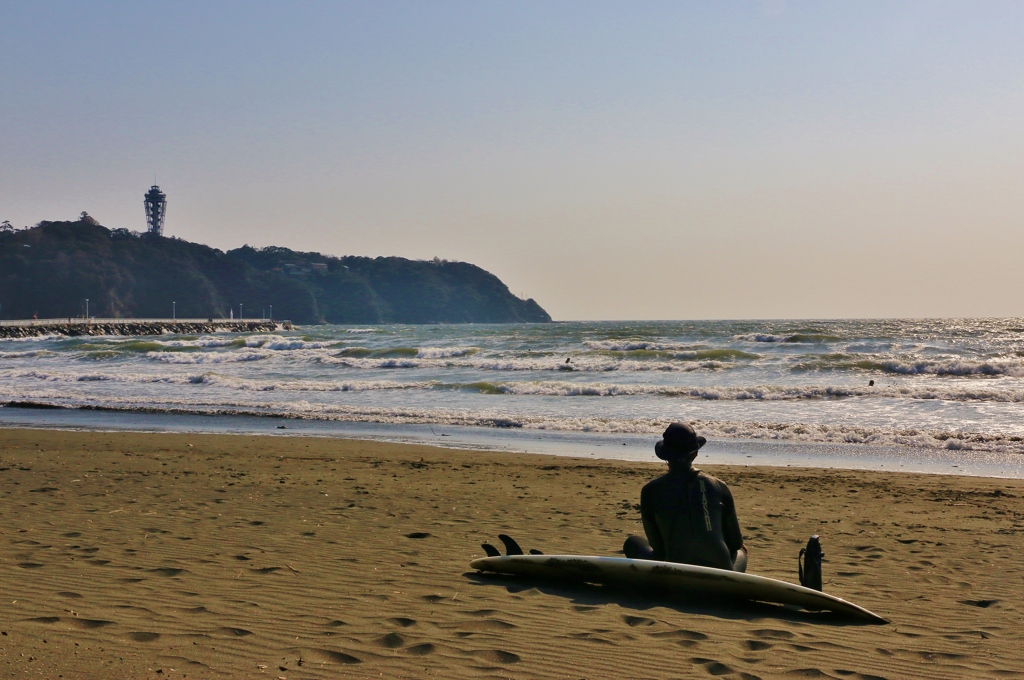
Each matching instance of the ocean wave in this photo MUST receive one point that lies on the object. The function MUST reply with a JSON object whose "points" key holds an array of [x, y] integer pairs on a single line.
{"points": [[27, 354], [584, 364], [80, 377], [204, 342], [956, 393], [950, 366], [953, 392], [278, 342], [622, 345], [809, 338], [666, 350], [236, 383], [410, 352], [210, 357], [362, 330], [35, 338], [713, 429], [444, 352]]}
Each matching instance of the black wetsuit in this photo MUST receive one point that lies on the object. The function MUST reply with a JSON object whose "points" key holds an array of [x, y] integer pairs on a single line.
{"points": [[690, 518]]}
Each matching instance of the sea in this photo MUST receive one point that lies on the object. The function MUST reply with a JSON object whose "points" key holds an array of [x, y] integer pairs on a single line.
{"points": [[926, 395]]}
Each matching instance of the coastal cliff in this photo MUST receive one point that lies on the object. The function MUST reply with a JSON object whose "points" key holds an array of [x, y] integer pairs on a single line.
{"points": [[51, 269]]}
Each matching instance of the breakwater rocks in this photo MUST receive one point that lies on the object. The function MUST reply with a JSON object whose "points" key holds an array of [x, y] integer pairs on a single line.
{"points": [[31, 329]]}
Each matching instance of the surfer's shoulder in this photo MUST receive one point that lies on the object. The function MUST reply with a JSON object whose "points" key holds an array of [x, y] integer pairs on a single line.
{"points": [[656, 483], [714, 480]]}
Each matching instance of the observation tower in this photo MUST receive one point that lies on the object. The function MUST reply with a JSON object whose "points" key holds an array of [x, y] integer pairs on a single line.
{"points": [[156, 210]]}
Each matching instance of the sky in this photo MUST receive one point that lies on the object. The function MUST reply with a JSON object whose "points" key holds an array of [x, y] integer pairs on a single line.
{"points": [[612, 160]]}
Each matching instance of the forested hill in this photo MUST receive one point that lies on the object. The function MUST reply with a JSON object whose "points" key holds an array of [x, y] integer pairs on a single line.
{"points": [[50, 269]]}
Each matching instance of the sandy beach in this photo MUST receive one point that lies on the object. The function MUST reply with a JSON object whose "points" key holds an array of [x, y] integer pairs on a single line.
{"points": [[203, 556]]}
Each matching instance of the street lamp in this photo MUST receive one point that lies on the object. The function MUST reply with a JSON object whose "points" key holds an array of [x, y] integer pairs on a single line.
{"points": [[271, 312], [86, 309], [174, 311], [240, 310]]}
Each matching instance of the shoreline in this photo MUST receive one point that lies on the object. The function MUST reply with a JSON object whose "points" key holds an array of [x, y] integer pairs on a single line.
{"points": [[196, 555], [596, 446]]}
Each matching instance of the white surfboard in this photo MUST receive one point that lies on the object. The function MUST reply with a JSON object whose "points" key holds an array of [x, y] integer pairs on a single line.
{"points": [[676, 578]]}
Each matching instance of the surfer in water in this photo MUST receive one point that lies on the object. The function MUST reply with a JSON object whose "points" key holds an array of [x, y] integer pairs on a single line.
{"points": [[689, 516]]}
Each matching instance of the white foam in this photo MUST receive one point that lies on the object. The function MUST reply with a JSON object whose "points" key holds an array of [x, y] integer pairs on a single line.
{"points": [[954, 367], [233, 382], [278, 342], [760, 337], [444, 352], [745, 430], [209, 357], [203, 342], [28, 354]]}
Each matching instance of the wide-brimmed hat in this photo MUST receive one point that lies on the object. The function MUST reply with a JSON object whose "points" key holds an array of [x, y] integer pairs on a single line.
{"points": [[679, 440]]}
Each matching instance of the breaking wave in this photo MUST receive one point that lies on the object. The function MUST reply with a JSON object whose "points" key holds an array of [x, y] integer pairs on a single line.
{"points": [[551, 388], [791, 338], [718, 429], [907, 366], [410, 352], [210, 357]]}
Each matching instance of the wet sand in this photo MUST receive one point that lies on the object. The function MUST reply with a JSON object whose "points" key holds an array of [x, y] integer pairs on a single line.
{"points": [[162, 556]]}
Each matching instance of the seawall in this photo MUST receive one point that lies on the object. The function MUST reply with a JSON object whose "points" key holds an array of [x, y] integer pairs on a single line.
{"points": [[75, 327]]}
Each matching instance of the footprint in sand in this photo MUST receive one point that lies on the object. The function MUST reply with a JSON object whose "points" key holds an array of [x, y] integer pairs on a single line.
{"points": [[984, 604], [634, 621], [392, 641], [434, 599], [237, 632], [756, 645], [30, 565], [418, 534], [328, 656], [89, 624], [498, 656], [773, 634], [421, 649], [402, 622], [143, 636], [716, 667], [68, 593], [166, 571], [681, 634], [486, 625]]}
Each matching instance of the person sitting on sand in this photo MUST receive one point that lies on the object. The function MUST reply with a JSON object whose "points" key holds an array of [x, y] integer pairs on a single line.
{"points": [[689, 516]]}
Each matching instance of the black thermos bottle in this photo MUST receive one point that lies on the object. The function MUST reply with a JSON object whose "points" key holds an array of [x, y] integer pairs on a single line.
{"points": [[809, 564]]}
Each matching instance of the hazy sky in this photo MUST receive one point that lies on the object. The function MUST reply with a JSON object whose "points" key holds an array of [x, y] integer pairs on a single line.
{"points": [[620, 160]]}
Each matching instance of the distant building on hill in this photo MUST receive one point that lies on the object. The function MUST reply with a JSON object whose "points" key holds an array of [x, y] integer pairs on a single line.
{"points": [[156, 210]]}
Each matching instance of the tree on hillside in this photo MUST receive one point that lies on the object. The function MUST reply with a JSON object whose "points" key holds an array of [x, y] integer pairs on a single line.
{"points": [[6, 226]]}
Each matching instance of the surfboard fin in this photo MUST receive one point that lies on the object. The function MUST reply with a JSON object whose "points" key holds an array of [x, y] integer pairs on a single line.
{"points": [[490, 550], [511, 547], [534, 551]]}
